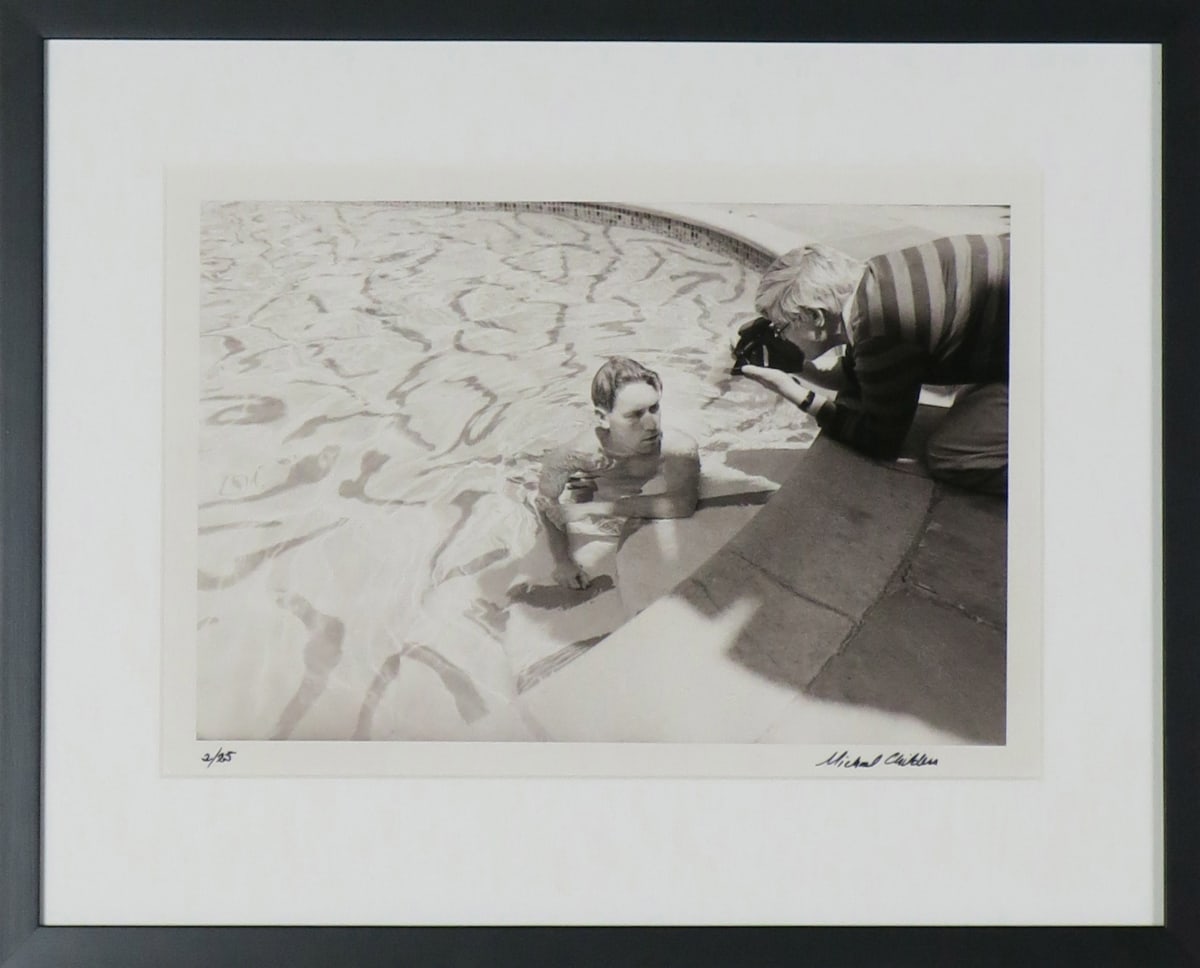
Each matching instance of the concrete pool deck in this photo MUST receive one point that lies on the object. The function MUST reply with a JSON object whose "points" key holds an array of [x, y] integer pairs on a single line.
{"points": [[865, 603]]}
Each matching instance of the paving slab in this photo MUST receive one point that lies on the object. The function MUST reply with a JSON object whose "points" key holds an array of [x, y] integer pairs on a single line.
{"points": [[788, 640], [716, 661], [963, 555], [838, 529], [811, 721], [916, 657], [661, 554], [859, 231], [773, 463]]}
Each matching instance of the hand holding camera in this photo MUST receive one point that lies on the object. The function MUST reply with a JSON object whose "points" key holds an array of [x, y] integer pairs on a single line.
{"points": [[758, 345]]}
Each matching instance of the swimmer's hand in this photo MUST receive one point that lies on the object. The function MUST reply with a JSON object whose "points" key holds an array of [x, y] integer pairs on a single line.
{"points": [[581, 488], [570, 575]]}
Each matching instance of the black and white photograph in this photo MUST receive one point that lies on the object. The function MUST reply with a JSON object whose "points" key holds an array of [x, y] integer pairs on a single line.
{"points": [[571, 471]]}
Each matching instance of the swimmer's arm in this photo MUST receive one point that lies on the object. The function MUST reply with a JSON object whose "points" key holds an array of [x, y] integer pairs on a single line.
{"points": [[556, 471], [556, 536]]}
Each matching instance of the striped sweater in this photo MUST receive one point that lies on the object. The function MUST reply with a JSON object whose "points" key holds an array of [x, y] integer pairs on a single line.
{"points": [[935, 313]]}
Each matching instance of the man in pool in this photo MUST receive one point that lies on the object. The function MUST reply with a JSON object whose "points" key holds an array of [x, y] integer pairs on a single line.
{"points": [[932, 314], [626, 465]]}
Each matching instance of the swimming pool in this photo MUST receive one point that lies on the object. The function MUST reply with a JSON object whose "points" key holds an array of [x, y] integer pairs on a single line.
{"points": [[378, 383]]}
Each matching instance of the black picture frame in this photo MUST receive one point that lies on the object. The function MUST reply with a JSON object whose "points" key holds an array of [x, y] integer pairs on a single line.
{"points": [[25, 27]]}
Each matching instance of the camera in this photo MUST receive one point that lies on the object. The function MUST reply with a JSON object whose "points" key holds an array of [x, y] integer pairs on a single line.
{"points": [[758, 345], [753, 353]]}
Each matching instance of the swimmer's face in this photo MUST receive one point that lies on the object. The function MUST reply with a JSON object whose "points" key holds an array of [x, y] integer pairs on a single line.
{"points": [[634, 424]]}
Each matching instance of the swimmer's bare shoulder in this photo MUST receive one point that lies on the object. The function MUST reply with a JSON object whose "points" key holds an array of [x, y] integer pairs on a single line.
{"points": [[675, 443], [679, 460], [679, 472], [581, 453]]}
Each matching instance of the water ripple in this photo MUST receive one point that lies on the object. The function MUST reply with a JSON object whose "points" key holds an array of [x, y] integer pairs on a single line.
{"points": [[378, 384]]}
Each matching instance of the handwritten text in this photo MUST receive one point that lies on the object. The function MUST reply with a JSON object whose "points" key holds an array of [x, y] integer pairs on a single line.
{"points": [[220, 756], [843, 760]]}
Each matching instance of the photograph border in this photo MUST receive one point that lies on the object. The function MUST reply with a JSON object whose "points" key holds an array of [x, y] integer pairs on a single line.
{"points": [[183, 754], [24, 941]]}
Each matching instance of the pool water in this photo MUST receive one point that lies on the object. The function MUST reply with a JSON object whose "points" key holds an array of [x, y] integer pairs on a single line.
{"points": [[378, 384]]}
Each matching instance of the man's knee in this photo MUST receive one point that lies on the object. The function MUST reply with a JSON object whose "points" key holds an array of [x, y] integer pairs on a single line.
{"points": [[970, 447], [948, 454], [986, 480]]}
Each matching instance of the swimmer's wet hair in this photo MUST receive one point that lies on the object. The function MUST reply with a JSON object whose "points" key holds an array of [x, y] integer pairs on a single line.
{"points": [[614, 374]]}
